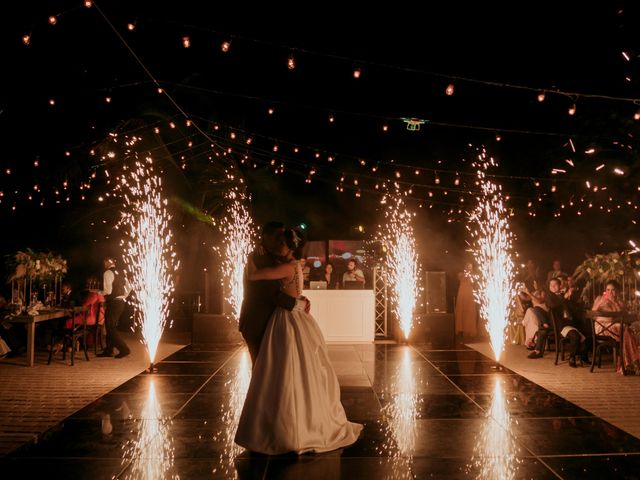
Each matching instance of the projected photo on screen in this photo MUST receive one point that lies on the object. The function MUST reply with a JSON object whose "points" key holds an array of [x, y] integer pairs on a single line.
{"points": [[315, 258], [351, 261]]}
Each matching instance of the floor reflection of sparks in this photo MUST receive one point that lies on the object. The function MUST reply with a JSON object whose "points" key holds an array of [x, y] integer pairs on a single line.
{"points": [[400, 416], [152, 451], [494, 454], [230, 415]]}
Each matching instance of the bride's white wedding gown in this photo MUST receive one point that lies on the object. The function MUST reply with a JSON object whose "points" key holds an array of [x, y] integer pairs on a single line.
{"points": [[293, 400]]}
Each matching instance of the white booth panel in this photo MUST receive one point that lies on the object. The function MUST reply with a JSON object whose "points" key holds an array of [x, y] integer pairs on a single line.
{"points": [[344, 315]]}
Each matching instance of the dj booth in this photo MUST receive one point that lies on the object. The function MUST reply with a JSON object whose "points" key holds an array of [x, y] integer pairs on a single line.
{"points": [[344, 315]]}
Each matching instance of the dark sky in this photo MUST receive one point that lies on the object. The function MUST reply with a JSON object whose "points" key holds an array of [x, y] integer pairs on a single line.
{"points": [[489, 51]]}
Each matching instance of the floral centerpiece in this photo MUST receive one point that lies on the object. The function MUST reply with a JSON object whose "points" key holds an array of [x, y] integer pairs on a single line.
{"points": [[596, 270], [30, 267]]}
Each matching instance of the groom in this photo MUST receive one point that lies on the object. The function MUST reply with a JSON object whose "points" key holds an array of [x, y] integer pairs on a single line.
{"points": [[261, 297]]}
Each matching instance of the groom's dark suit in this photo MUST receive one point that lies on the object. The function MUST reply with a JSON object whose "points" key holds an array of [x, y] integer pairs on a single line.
{"points": [[260, 300]]}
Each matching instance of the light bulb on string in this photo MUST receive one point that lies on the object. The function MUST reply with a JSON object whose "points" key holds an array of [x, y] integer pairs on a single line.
{"points": [[53, 19], [636, 116], [131, 26], [449, 90], [291, 62], [541, 96], [225, 46], [572, 109], [26, 39], [186, 42], [385, 128], [357, 72], [88, 3]]}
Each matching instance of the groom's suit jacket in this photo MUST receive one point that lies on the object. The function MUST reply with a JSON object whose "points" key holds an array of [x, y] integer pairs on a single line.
{"points": [[260, 300]]}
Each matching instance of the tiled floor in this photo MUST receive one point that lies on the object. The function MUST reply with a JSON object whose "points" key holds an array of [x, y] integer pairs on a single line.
{"points": [[426, 414]]}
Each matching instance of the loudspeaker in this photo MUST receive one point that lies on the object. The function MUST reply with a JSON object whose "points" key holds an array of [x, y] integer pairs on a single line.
{"points": [[435, 292], [435, 329]]}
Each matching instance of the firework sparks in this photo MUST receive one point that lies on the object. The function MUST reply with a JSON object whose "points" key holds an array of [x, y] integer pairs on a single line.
{"points": [[401, 264], [229, 412], [492, 245], [152, 451], [400, 412], [149, 252], [238, 230], [494, 454]]}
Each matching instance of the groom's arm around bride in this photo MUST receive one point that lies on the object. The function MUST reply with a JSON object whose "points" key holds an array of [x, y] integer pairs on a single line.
{"points": [[261, 297]]}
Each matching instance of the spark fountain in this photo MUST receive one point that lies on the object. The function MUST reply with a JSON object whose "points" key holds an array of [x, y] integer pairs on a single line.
{"points": [[149, 252], [492, 246], [238, 231], [401, 262]]}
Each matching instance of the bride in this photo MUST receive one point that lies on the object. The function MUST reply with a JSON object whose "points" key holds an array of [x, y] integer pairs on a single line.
{"points": [[293, 401]]}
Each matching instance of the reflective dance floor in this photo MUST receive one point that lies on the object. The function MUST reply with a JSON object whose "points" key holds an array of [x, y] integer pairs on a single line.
{"points": [[446, 414]]}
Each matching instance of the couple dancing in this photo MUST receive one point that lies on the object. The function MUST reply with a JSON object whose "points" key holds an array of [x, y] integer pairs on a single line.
{"points": [[293, 400]]}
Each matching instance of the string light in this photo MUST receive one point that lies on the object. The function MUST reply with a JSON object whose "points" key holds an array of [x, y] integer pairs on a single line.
{"points": [[225, 46], [26, 39], [450, 89], [186, 42], [53, 19], [131, 26], [541, 97], [291, 62], [357, 72], [572, 109]]}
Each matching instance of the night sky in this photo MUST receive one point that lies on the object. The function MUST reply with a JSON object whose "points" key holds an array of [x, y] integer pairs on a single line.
{"points": [[498, 58]]}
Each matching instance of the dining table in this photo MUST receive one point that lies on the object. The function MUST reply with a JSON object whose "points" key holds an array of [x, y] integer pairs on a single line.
{"points": [[30, 322]]}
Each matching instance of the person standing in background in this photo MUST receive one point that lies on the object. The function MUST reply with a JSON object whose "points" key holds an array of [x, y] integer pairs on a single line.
{"points": [[328, 276], [466, 310], [115, 289]]}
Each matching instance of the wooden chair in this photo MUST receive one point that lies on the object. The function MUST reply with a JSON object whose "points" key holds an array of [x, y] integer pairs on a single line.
{"points": [[71, 336], [559, 340], [98, 329], [607, 339]]}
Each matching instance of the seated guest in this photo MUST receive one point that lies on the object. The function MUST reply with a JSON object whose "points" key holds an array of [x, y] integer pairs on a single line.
{"points": [[567, 317], [306, 272], [609, 301], [12, 334], [95, 315], [69, 299], [353, 273], [538, 316], [329, 276], [535, 312]]}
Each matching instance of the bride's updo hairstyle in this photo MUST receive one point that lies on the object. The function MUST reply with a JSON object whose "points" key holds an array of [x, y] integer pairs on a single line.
{"points": [[295, 241]]}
